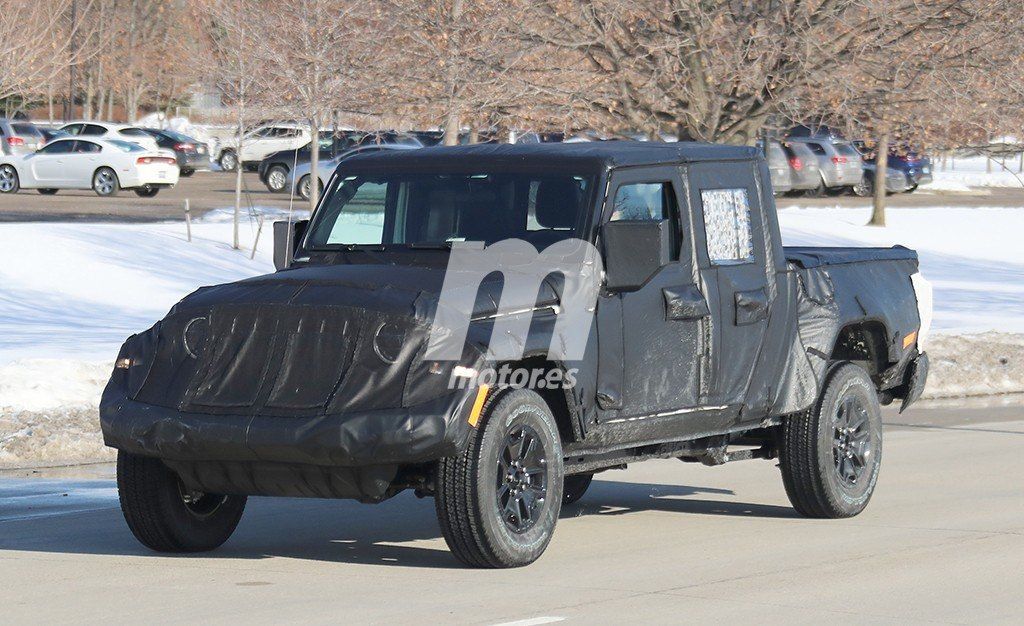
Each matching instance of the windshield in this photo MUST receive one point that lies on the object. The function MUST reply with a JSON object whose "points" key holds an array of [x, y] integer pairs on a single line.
{"points": [[423, 209]]}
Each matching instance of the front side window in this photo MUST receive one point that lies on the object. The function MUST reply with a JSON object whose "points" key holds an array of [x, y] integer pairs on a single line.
{"points": [[427, 209], [727, 225], [640, 201]]}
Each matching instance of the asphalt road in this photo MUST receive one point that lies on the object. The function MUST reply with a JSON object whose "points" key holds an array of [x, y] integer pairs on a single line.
{"points": [[662, 542], [216, 190]]}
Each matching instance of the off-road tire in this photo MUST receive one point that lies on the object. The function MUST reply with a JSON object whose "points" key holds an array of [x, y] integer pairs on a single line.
{"points": [[807, 458], [156, 512], [575, 487], [467, 485]]}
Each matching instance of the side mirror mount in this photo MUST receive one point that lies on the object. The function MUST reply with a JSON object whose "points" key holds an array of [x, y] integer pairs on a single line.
{"points": [[286, 242], [633, 251]]}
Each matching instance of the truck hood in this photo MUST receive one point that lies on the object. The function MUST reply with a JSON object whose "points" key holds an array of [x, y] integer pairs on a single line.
{"points": [[303, 342]]}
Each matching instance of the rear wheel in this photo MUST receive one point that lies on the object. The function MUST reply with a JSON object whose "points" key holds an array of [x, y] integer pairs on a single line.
{"points": [[277, 178], [48, 192], [818, 191], [575, 486], [498, 501], [865, 188], [9, 182], [165, 515], [830, 456], [910, 189], [147, 191], [105, 183], [228, 161], [186, 173], [304, 187]]}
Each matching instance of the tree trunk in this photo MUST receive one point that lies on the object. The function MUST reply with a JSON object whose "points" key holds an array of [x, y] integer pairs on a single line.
{"points": [[238, 179], [881, 167], [110, 104], [314, 162], [451, 128], [474, 135], [49, 101]]}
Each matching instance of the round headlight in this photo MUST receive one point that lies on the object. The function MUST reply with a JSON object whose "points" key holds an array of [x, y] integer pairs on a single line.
{"points": [[388, 341], [194, 337]]}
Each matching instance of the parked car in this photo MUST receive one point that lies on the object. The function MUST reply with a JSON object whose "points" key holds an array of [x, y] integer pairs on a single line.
{"points": [[104, 165], [259, 143], [778, 167], [803, 166], [301, 177], [708, 342], [839, 164], [19, 137], [895, 180], [193, 155], [818, 131], [915, 167], [108, 130]]}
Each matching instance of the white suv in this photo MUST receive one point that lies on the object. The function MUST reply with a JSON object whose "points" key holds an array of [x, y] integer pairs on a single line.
{"points": [[260, 142]]}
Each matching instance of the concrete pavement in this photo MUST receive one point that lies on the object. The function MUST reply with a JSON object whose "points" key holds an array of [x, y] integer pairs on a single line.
{"points": [[662, 542]]}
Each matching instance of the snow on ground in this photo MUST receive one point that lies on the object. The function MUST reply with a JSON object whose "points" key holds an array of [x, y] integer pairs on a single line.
{"points": [[71, 293], [972, 256], [961, 174]]}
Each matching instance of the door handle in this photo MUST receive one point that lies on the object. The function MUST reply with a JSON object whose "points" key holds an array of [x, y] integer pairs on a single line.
{"points": [[685, 303], [751, 306]]}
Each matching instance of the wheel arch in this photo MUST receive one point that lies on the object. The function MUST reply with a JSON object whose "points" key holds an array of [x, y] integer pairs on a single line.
{"points": [[560, 400], [863, 343]]}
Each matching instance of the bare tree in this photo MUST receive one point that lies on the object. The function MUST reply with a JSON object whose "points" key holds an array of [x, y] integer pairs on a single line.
{"points": [[239, 77], [318, 53]]}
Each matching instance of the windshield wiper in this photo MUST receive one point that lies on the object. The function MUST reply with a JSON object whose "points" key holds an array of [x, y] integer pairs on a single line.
{"points": [[439, 245]]}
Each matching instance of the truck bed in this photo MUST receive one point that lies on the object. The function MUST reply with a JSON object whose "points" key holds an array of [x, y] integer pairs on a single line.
{"points": [[808, 257]]}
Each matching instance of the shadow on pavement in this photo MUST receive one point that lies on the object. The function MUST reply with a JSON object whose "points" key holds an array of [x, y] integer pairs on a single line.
{"points": [[401, 531]]}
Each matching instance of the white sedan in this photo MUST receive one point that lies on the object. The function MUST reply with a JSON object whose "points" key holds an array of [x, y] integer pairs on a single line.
{"points": [[104, 165], [110, 130]]}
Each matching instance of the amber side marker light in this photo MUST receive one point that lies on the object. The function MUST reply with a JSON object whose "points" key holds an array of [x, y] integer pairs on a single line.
{"points": [[909, 340], [478, 405]]}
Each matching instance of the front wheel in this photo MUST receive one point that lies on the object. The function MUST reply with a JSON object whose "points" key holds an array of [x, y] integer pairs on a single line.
{"points": [[305, 187], [830, 456], [147, 191], [9, 182], [166, 516], [498, 501], [277, 178], [105, 183]]}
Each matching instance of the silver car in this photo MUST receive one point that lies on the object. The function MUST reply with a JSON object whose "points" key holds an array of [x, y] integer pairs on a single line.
{"points": [[839, 163], [778, 168], [19, 137], [803, 166]]}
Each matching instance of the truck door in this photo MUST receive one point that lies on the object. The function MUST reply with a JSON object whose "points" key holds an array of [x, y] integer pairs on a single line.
{"points": [[731, 255], [650, 337]]}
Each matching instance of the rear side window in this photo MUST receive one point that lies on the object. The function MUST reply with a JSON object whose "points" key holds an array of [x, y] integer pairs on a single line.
{"points": [[86, 147], [93, 130], [133, 132], [727, 225]]}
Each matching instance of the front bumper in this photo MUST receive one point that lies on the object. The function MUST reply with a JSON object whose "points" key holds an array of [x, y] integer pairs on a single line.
{"points": [[415, 434]]}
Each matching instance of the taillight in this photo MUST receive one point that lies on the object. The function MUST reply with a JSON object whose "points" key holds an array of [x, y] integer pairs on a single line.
{"points": [[155, 160], [15, 141], [184, 147], [838, 160], [796, 163]]}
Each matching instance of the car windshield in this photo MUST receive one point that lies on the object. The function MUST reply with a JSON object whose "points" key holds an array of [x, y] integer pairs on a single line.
{"points": [[126, 146], [433, 210]]}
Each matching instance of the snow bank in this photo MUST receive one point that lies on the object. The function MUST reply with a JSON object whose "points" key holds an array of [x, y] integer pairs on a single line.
{"points": [[974, 365], [962, 174]]}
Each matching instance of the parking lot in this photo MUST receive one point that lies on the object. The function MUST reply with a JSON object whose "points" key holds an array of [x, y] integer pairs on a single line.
{"points": [[206, 191]]}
